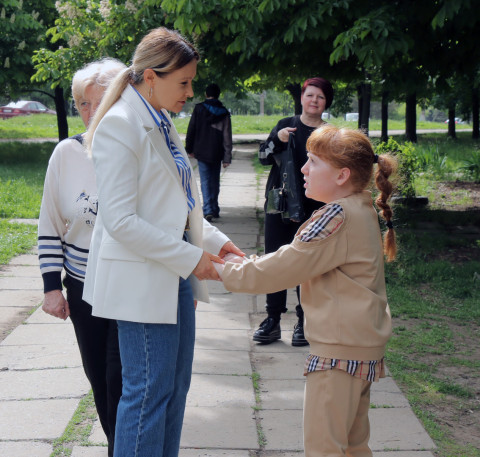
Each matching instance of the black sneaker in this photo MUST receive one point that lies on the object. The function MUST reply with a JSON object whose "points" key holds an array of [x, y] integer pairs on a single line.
{"points": [[268, 331], [209, 217], [298, 338]]}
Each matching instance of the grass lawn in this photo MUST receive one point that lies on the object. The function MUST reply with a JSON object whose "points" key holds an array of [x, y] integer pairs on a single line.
{"points": [[45, 126]]}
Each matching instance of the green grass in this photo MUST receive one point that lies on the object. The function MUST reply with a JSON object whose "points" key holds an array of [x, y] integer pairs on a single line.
{"points": [[434, 302], [22, 173], [15, 239], [78, 429], [45, 126], [37, 126]]}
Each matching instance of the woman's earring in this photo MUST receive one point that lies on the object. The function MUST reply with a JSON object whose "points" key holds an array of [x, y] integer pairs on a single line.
{"points": [[150, 93]]}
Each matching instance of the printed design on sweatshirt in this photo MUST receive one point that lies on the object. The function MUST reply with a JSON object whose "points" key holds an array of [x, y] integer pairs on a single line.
{"points": [[86, 208], [321, 228]]}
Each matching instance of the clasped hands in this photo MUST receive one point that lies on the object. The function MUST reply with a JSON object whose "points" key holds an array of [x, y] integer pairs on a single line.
{"points": [[210, 266]]}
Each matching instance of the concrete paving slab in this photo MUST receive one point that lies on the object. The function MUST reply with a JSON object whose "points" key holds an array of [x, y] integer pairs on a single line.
{"points": [[386, 393], [212, 453], [232, 303], [221, 391], [246, 241], [217, 288], [37, 357], [219, 428], [14, 283], [21, 271], [41, 317], [279, 365], [280, 346], [397, 428], [232, 227], [97, 436], [26, 259], [8, 313], [224, 320], [235, 340], [89, 451], [24, 221], [402, 454], [38, 334], [25, 448], [282, 394], [43, 384], [226, 362], [282, 429], [20, 298], [36, 419]]}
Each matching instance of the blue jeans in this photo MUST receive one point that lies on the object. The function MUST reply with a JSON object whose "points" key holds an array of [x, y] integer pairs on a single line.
{"points": [[210, 184], [156, 368]]}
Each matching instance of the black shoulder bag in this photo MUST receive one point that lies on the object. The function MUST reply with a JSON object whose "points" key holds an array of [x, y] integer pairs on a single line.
{"points": [[287, 199]]}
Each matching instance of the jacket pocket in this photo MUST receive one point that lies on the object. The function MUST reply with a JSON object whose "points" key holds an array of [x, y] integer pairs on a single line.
{"points": [[116, 251]]}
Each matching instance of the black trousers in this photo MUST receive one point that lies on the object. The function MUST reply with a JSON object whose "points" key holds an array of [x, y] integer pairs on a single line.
{"points": [[98, 343], [277, 234]]}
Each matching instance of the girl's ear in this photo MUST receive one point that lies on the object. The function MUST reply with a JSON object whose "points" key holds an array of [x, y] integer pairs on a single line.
{"points": [[343, 176]]}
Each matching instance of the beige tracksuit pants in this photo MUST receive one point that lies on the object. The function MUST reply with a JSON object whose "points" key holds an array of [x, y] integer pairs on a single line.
{"points": [[335, 415]]}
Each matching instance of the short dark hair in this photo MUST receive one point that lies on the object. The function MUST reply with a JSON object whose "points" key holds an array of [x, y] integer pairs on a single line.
{"points": [[325, 86], [212, 90]]}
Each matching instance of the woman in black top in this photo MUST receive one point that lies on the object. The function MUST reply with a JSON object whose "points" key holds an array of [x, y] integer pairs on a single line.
{"points": [[317, 95]]}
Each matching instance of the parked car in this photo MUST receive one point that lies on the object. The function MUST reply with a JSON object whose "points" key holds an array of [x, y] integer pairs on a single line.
{"points": [[457, 121], [351, 117], [23, 108]]}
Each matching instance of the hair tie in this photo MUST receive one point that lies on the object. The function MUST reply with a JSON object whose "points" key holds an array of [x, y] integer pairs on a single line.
{"points": [[375, 158], [389, 224]]}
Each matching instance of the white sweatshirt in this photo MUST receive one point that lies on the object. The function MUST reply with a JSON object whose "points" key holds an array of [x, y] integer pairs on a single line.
{"points": [[67, 214]]}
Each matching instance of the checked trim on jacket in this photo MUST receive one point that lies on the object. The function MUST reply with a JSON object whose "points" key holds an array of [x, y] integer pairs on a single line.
{"points": [[331, 219]]}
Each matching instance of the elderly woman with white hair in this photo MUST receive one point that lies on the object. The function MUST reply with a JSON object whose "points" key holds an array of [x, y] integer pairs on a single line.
{"points": [[67, 218]]}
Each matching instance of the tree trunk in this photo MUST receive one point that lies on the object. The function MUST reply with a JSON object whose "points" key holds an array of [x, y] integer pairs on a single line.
{"points": [[295, 90], [411, 118], [451, 123], [364, 112], [360, 105], [61, 114], [384, 135], [475, 114]]}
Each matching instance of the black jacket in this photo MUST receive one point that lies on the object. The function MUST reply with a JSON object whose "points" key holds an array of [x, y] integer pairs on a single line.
{"points": [[209, 134], [269, 154]]}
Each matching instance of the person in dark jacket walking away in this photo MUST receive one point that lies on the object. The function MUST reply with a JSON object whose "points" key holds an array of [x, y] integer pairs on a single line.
{"points": [[209, 140]]}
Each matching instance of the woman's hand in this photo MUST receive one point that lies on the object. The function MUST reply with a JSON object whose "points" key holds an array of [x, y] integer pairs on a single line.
{"points": [[230, 247], [284, 133], [205, 268], [54, 303]]}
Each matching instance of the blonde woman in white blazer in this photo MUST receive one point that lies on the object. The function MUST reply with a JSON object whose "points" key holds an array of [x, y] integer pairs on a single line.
{"points": [[151, 246]]}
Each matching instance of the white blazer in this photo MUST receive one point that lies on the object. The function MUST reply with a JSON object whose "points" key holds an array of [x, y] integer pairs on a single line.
{"points": [[137, 253]]}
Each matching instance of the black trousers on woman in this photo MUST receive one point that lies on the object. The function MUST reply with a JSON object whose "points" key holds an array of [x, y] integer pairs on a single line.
{"points": [[277, 234], [98, 343]]}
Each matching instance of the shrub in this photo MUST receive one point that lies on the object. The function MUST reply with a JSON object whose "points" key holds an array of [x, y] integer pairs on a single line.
{"points": [[407, 164]]}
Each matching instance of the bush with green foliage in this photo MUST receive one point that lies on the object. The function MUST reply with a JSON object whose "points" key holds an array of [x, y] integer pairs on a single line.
{"points": [[407, 164]]}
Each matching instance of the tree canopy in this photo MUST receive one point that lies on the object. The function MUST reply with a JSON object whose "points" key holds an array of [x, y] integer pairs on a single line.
{"points": [[390, 49]]}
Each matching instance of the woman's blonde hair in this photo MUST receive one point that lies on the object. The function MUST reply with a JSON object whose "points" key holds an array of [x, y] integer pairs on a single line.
{"points": [[348, 148], [100, 73], [162, 50]]}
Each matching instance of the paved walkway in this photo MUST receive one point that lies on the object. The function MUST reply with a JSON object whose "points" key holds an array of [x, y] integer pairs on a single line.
{"points": [[245, 399]]}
